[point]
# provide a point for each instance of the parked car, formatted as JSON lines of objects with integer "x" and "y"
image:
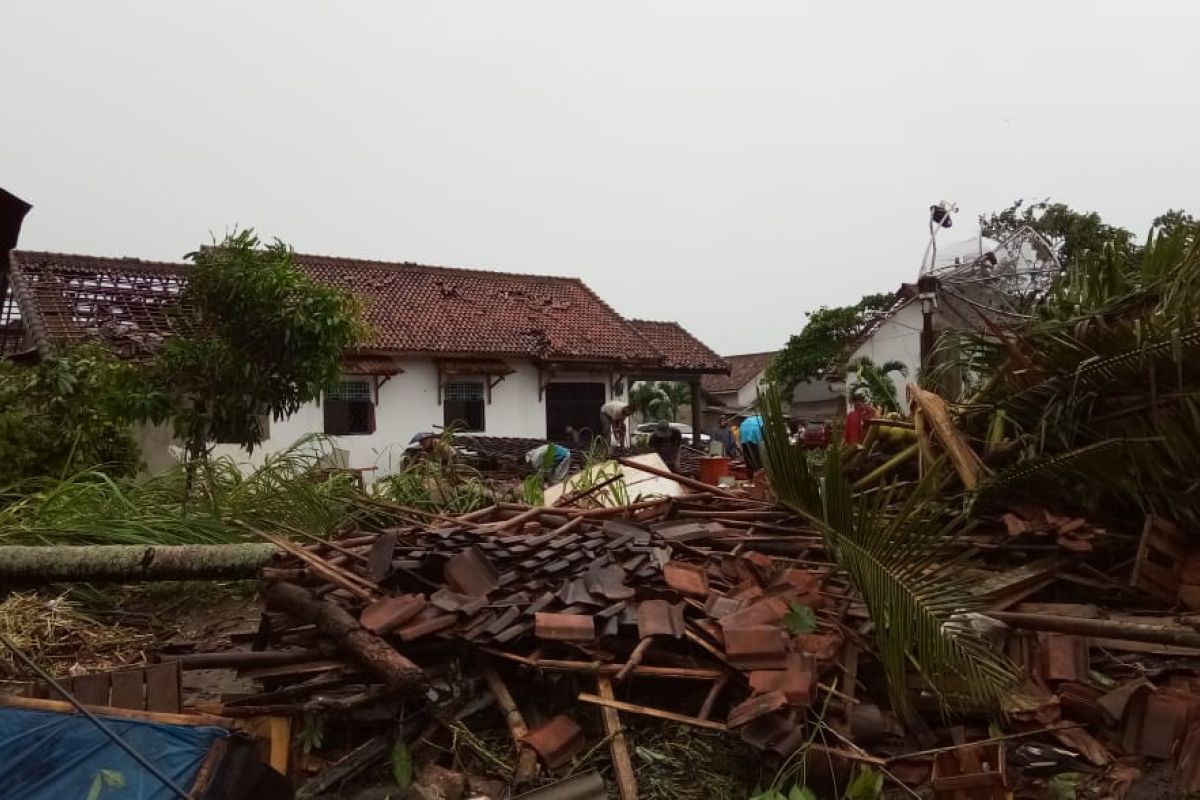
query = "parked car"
{"x": 816, "y": 434}
{"x": 647, "y": 428}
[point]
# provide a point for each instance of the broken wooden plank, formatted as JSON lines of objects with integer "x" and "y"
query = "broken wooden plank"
{"x": 622, "y": 764}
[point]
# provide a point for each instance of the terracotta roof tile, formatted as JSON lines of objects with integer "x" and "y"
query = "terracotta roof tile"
{"x": 680, "y": 349}
{"x": 742, "y": 370}
{"x": 409, "y": 308}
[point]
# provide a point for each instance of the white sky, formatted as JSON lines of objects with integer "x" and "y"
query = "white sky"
{"x": 728, "y": 165}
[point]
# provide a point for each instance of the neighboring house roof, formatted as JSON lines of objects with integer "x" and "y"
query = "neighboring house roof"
{"x": 742, "y": 370}
{"x": 408, "y": 308}
{"x": 681, "y": 351}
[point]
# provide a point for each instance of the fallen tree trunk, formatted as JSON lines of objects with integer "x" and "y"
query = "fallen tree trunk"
{"x": 373, "y": 652}
{"x": 120, "y": 562}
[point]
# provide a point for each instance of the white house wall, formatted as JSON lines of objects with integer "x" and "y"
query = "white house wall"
{"x": 408, "y": 404}
{"x": 897, "y": 339}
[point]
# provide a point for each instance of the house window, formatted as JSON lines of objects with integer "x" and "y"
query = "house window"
{"x": 463, "y": 405}
{"x": 350, "y": 409}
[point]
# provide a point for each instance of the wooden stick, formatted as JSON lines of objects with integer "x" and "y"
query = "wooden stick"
{"x": 1099, "y": 628}
{"x": 690, "y": 483}
{"x": 652, "y": 712}
{"x": 635, "y": 658}
{"x": 622, "y": 765}
{"x": 1023, "y": 734}
{"x": 576, "y": 496}
{"x": 527, "y": 765}
{"x": 355, "y": 584}
{"x": 718, "y": 686}
{"x": 596, "y": 668}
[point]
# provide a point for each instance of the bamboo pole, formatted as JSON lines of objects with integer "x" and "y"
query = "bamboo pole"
{"x": 880, "y": 472}
{"x": 527, "y": 765}
{"x": 1099, "y": 628}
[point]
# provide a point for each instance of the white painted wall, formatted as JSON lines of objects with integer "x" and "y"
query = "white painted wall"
{"x": 897, "y": 339}
{"x": 408, "y": 404}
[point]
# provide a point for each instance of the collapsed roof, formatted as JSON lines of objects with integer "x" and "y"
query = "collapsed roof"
{"x": 408, "y": 308}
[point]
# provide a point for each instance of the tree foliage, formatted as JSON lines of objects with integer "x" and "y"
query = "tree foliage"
{"x": 822, "y": 345}
{"x": 1072, "y": 232}
{"x": 69, "y": 412}
{"x": 254, "y": 336}
{"x": 876, "y": 379}
{"x": 661, "y": 400}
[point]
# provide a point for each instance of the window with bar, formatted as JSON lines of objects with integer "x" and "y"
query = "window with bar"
{"x": 462, "y": 402}
{"x": 350, "y": 409}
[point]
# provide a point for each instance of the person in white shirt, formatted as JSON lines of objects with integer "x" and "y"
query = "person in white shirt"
{"x": 615, "y": 413}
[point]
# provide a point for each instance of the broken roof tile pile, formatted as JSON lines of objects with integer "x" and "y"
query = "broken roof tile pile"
{"x": 721, "y": 612}
{"x": 408, "y": 308}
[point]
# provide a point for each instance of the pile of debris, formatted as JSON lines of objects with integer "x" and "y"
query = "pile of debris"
{"x": 713, "y": 610}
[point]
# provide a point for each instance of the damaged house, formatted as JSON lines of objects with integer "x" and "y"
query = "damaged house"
{"x": 488, "y": 352}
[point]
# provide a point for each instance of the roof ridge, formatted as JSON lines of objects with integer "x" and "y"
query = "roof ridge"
{"x": 125, "y": 260}
{"x": 380, "y": 263}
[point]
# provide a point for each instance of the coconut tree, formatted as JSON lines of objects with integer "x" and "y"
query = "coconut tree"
{"x": 876, "y": 379}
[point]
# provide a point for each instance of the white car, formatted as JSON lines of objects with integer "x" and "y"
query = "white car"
{"x": 647, "y": 428}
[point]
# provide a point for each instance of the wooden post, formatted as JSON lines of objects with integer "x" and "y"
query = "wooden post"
{"x": 697, "y": 421}
{"x": 622, "y": 765}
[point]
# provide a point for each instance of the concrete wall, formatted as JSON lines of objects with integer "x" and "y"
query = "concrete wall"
{"x": 898, "y": 339}
{"x": 407, "y": 404}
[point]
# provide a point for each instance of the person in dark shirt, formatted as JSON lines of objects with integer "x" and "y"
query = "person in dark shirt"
{"x": 668, "y": 443}
{"x": 723, "y": 434}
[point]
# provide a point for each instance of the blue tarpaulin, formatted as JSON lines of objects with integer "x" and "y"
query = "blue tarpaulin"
{"x": 46, "y": 755}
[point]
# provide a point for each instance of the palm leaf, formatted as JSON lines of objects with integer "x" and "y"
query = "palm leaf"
{"x": 889, "y": 548}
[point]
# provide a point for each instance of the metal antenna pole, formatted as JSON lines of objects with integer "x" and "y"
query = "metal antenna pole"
{"x": 58, "y": 687}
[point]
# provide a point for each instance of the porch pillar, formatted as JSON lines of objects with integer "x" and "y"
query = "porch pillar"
{"x": 696, "y": 416}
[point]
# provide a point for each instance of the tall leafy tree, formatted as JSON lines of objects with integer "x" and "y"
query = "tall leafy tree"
{"x": 255, "y": 336}
{"x": 822, "y": 345}
{"x": 673, "y": 396}
{"x": 1072, "y": 232}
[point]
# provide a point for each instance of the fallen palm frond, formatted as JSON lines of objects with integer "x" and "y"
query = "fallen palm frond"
{"x": 94, "y": 508}
{"x": 889, "y": 543}
{"x": 56, "y": 635}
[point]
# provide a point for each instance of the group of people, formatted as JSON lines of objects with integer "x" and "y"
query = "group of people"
{"x": 738, "y": 436}
{"x": 742, "y": 439}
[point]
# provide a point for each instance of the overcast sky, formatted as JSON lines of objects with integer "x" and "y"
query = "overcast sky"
{"x": 728, "y": 165}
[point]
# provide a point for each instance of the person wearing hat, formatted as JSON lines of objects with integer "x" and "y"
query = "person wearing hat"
{"x": 668, "y": 443}
{"x": 551, "y": 461}
{"x": 856, "y": 420}
{"x": 430, "y": 446}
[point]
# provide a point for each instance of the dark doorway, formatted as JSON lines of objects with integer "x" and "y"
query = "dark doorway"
{"x": 575, "y": 405}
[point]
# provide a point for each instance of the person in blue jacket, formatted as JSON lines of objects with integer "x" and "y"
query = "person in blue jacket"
{"x": 551, "y": 461}
{"x": 750, "y": 433}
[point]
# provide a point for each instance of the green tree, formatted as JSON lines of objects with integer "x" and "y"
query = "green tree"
{"x": 876, "y": 379}
{"x": 70, "y": 412}
{"x": 1072, "y": 232}
{"x": 822, "y": 345}
{"x": 674, "y": 395}
{"x": 646, "y": 399}
{"x": 255, "y": 336}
